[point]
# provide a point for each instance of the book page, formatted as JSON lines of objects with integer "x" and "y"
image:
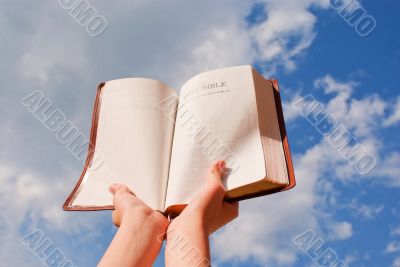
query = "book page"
{"x": 134, "y": 139}
{"x": 216, "y": 120}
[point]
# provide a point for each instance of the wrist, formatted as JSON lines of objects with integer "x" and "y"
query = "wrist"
{"x": 148, "y": 219}
{"x": 187, "y": 243}
{"x": 187, "y": 224}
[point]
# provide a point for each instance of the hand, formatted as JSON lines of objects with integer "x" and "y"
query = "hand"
{"x": 141, "y": 230}
{"x": 204, "y": 214}
{"x": 207, "y": 209}
{"x": 129, "y": 207}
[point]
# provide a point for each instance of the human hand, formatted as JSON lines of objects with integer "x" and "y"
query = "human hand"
{"x": 208, "y": 210}
{"x": 137, "y": 241}
{"x": 131, "y": 209}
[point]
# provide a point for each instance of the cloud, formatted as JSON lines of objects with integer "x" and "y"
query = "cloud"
{"x": 392, "y": 247}
{"x": 349, "y": 259}
{"x": 262, "y": 232}
{"x": 396, "y": 262}
{"x": 286, "y": 33}
{"x": 290, "y": 111}
{"x": 390, "y": 169}
{"x": 46, "y": 49}
{"x": 394, "y": 117}
{"x": 330, "y": 85}
{"x": 358, "y": 115}
{"x": 363, "y": 210}
{"x": 341, "y": 231}
{"x": 395, "y": 231}
{"x": 361, "y": 117}
{"x": 36, "y": 204}
{"x": 318, "y": 169}
{"x": 369, "y": 211}
{"x": 37, "y": 198}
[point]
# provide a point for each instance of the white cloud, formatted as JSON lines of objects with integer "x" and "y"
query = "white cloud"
{"x": 330, "y": 85}
{"x": 395, "y": 231}
{"x": 341, "y": 230}
{"x": 349, "y": 259}
{"x": 363, "y": 210}
{"x": 359, "y": 115}
{"x": 49, "y": 52}
{"x": 394, "y": 117}
{"x": 396, "y": 262}
{"x": 237, "y": 48}
{"x": 362, "y": 117}
{"x": 389, "y": 168}
{"x": 28, "y": 200}
{"x": 39, "y": 198}
{"x": 287, "y": 32}
{"x": 289, "y": 110}
{"x": 370, "y": 211}
{"x": 392, "y": 247}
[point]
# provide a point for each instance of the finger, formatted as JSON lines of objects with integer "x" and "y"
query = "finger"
{"x": 114, "y": 188}
{"x": 214, "y": 182}
{"x": 115, "y": 218}
{"x": 214, "y": 191}
{"x": 214, "y": 176}
{"x": 221, "y": 167}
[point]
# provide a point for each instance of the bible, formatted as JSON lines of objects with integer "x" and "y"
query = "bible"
{"x": 160, "y": 143}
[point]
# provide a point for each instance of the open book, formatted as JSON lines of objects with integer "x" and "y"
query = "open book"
{"x": 161, "y": 145}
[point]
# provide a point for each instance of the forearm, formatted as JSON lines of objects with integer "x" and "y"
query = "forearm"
{"x": 187, "y": 245}
{"x": 134, "y": 245}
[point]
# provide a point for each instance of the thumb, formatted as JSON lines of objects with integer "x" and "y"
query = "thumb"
{"x": 214, "y": 177}
{"x": 214, "y": 190}
{"x": 114, "y": 188}
{"x": 215, "y": 172}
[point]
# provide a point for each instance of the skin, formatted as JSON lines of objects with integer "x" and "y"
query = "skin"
{"x": 142, "y": 229}
{"x": 205, "y": 213}
{"x": 137, "y": 241}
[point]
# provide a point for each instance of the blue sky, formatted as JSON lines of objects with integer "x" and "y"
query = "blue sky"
{"x": 305, "y": 44}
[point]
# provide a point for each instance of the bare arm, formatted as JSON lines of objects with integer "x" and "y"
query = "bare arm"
{"x": 187, "y": 235}
{"x": 140, "y": 234}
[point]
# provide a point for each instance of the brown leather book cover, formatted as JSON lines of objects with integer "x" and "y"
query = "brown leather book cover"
{"x": 89, "y": 158}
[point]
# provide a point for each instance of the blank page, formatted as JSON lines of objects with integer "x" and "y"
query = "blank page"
{"x": 134, "y": 139}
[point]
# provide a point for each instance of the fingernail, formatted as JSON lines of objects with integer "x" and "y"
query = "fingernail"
{"x": 111, "y": 188}
{"x": 221, "y": 165}
{"x": 115, "y": 186}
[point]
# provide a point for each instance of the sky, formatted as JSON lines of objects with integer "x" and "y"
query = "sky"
{"x": 322, "y": 56}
